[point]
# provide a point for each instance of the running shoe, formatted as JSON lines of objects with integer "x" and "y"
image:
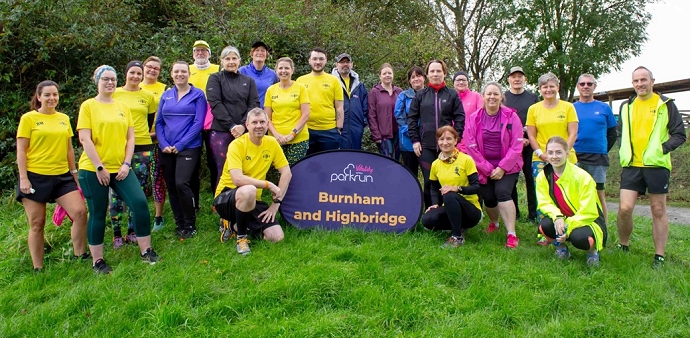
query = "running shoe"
{"x": 84, "y": 257}
{"x": 541, "y": 240}
{"x": 101, "y": 268}
{"x": 512, "y": 241}
{"x": 118, "y": 242}
{"x": 131, "y": 238}
{"x": 622, "y": 247}
{"x": 593, "y": 260}
{"x": 222, "y": 224}
{"x": 562, "y": 252}
{"x": 493, "y": 227}
{"x": 149, "y": 256}
{"x": 454, "y": 242}
{"x": 227, "y": 234}
{"x": 658, "y": 262}
{"x": 158, "y": 223}
{"x": 243, "y": 246}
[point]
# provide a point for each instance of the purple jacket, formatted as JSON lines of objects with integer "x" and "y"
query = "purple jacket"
{"x": 511, "y": 143}
{"x": 381, "y": 116}
{"x": 179, "y": 123}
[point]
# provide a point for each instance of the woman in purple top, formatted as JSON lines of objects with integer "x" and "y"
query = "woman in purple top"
{"x": 471, "y": 101}
{"x": 381, "y": 116}
{"x": 181, "y": 115}
{"x": 493, "y": 137}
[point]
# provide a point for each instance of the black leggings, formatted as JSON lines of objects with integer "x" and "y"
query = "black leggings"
{"x": 411, "y": 161}
{"x": 456, "y": 214}
{"x": 428, "y": 157}
{"x": 494, "y": 192}
{"x": 178, "y": 170}
{"x": 581, "y": 238}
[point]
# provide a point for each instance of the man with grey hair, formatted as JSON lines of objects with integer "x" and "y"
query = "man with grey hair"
{"x": 650, "y": 127}
{"x": 355, "y": 103}
{"x": 238, "y": 195}
{"x": 596, "y": 134}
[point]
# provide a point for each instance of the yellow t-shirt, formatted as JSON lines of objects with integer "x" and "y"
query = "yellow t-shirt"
{"x": 253, "y": 160}
{"x": 157, "y": 90}
{"x": 286, "y": 104}
{"x": 347, "y": 86}
{"x": 455, "y": 174}
{"x": 141, "y": 103}
{"x": 551, "y": 122}
{"x": 199, "y": 78}
{"x": 108, "y": 123}
{"x": 641, "y": 123}
{"x": 49, "y": 136}
{"x": 323, "y": 91}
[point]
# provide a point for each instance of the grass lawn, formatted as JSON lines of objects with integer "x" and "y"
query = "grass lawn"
{"x": 343, "y": 284}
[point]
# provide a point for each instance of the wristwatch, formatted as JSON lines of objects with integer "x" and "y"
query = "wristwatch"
{"x": 459, "y": 188}
{"x": 295, "y": 131}
{"x": 127, "y": 164}
{"x": 277, "y": 200}
{"x": 99, "y": 168}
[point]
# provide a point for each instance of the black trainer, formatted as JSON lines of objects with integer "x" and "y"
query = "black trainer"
{"x": 622, "y": 247}
{"x": 658, "y": 261}
{"x": 149, "y": 256}
{"x": 86, "y": 256}
{"x": 101, "y": 268}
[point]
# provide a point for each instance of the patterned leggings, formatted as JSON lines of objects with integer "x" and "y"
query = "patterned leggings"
{"x": 141, "y": 165}
{"x": 219, "y": 141}
{"x": 157, "y": 177}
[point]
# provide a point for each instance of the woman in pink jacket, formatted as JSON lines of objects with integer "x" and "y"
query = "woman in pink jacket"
{"x": 493, "y": 138}
{"x": 471, "y": 101}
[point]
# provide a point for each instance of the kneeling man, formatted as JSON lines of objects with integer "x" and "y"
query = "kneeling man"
{"x": 238, "y": 196}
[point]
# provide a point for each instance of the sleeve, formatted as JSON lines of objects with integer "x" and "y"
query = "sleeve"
{"x": 339, "y": 93}
{"x": 234, "y": 156}
{"x": 160, "y": 124}
{"x": 469, "y": 138}
{"x": 436, "y": 196}
{"x": 676, "y": 129}
{"x": 611, "y": 125}
{"x": 69, "y": 125}
{"x": 472, "y": 178}
{"x": 413, "y": 120}
{"x": 588, "y": 211}
{"x": 619, "y": 125}
{"x": 84, "y": 117}
{"x": 365, "y": 104}
{"x": 373, "y": 123}
{"x": 514, "y": 153}
{"x": 24, "y": 128}
{"x": 570, "y": 113}
{"x": 252, "y": 99}
{"x": 194, "y": 132}
{"x": 399, "y": 110}
{"x": 267, "y": 97}
{"x": 303, "y": 95}
{"x": 531, "y": 116}
{"x": 214, "y": 95}
{"x": 279, "y": 160}
{"x": 544, "y": 202}
{"x": 458, "y": 114}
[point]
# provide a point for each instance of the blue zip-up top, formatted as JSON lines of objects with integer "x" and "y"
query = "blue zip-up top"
{"x": 263, "y": 78}
{"x": 180, "y": 121}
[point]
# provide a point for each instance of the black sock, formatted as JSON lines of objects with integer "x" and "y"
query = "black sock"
{"x": 243, "y": 220}
{"x": 158, "y": 218}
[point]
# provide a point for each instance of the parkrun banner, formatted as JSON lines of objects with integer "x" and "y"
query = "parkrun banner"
{"x": 349, "y": 188}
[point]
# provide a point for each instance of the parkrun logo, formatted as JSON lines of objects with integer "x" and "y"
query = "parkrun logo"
{"x": 351, "y": 173}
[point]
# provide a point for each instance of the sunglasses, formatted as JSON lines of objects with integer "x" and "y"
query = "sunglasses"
{"x": 585, "y": 84}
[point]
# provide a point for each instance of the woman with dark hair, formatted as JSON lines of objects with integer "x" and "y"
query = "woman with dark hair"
{"x": 568, "y": 199}
{"x": 287, "y": 108}
{"x": 433, "y": 107}
{"x": 493, "y": 137}
{"x": 181, "y": 115}
{"x": 415, "y": 77}
{"x": 231, "y": 95}
{"x": 454, "y": 184}
{"x": 152, "y": 69}
{"x": 382, "y": 122}
{"x": 106, "y": 131}
{"x": 142, "y": 105}
{"x": 47, "y": 173}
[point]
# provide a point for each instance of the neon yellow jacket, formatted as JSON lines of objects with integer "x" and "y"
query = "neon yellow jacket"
{"x": 580, "y": 193}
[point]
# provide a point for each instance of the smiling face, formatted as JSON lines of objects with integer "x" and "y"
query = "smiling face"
{"x": 586, "y": 86}
{"x": 134, "y": 76}
{"x": 435, "y": 73}
{"x": 643, "y": 83}
{"x": 180, "y": 74}
{"x": 257, "y": 125}
{"x": 284, "y": 70}
{"x": 549, "y": 90}
{"x": 557, "y": 154}
{"x": 231, "y": 62}
{"x": 492, "y": 98}
{"x": 48, "y": 97}
{"x": 151, "y": 70}
{"x": 259, "y": 54}
{"x": 460, "y": 83}
{"x": 317, "y": 61}
{"x": 200, "y": 55}
{"x": 447, "y": 142}
{"x": 417, "y": 81}
{"x": 107, "y": 82}
{"x": 386, "y": 76}
{"x": 517, "y": 81}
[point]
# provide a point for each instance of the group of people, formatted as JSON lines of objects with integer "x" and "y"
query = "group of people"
{"x": 469, "y": 146}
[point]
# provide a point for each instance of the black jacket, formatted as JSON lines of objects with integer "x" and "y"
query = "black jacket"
{"x": 431, "y": 110}
{"x": 231, "y": 96}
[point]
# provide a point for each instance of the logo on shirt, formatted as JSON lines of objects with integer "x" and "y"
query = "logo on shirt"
{"x": 457, "y": 170}
{"x": 354, "y": 173}
{"x": 142, "y": 102}
{"x": 244, "y": 84}
{"x": 248, "y": 158}
{"x": 273, "y": 97}
{"x": 560, "y": 116}
{"x": 266, "y": 155}
{"x": 63, "y": 123}
{"x": 596, "y": 112}
{"x": 326, "y": 85}
{"x": 39, "y": 123}
{"x": 294, "y": 95}
{"x": 355, "y": 96}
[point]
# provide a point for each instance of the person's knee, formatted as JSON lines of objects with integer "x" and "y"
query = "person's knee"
{"x": 274, "y": 234}
{"x": 245, "y": 193}
{"x": 37, "y": 225}
{"x": 79, "y": 214}
{"x": 658, "y": 209}
{"x": 428, "y": 221}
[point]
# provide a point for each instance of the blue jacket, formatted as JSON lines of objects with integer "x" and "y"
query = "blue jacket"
{"x": 179, "y": 123}
{"x": 263, "y": 79}
{"x": 356, "y": 111}
{"x": 402, "y": 107}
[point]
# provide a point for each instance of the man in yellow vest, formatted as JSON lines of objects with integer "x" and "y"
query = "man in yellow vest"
{"x": 650, "y": 127}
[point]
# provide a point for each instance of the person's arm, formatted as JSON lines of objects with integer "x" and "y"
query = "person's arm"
{"x": 160, "y": 126}
{"x": 365, "y": 104}
{"x": 544, "y": 202}
{"x": 413, "y": 125}
{"x": 339, "y": 114}
{"x": 90, "y": 151}
{"x": 473, "y": 187}
{"x": 373, "y": 123}
{"x": 611, "y": 136}
{"x": 436, "y": 197}
{"x": 71, "y": 163}
{"x": 470, "y": 139}
{"x": 194, "y": 132}
{"x": 271, "y": 126}
{"x": 587, "y": 196}
{"x": 572, "y": 134}
{"x": 676, "y": 130}
{"x": 22, "y": 147}
{"x": 514, "y": 153}
{"x": 399, "y": 110}
{"x": 129, "y": 152}
{"x": 214, "y": 94}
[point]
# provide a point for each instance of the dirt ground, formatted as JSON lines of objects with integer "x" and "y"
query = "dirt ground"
{"x": 675, "y": 215}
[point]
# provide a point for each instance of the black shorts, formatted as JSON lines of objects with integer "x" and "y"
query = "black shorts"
{"x": 48, "y": 188}
{"x": 653, "y": 180}
{"x": 225, "y": 206}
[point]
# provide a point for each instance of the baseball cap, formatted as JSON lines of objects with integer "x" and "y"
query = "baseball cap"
{"x": 260, "y": 44}
{"x": 201, "y": 43}
{"x": 516, "y": 69}
{"x": 343, "y": 56}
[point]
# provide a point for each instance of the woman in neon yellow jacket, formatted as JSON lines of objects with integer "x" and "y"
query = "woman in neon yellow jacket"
{"x": 568, "y": 199}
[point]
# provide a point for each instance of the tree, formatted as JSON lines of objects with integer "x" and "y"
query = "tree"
{"x": 571, "y": 37}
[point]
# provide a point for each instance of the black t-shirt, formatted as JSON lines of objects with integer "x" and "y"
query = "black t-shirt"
{"x": 521, "y": 103}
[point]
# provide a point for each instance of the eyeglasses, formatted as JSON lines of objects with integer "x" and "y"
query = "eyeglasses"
{"x": 152, "y": 68}
{"x": 109, "y": 79}
{"x": 586, "y": 84}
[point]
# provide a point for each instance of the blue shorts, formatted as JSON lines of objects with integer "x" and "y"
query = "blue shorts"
{"x": 598, "y": 173}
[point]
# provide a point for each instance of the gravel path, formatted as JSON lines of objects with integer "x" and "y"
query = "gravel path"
{"x": 676, "y": 215}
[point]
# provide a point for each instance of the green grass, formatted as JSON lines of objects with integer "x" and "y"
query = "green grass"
{"x": 343, "y": 284}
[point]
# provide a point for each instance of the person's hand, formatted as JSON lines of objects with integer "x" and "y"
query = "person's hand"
{"x": 122, "y": 172}
{"x": 525, "y": 142}
{"x": 25, "y": 185}
{"x": 417, "y": 147}
{"x": 559, "y": 225}
{"x": 75, "y": 176}
{"x": 377, "y": 141}
{"x": 561, "y": 238}
{"x": 497, "y": 174}
{"x": 103, "y": 177}
{"x": 237, "y": 130}
{"x": 167, "y": 150}
{"x": 543, "y": 158}
{"x": 289, "y": 138}
{"x": 448, "y": 188}
{"x": 274, "y": 189}
{"x": 173, "y": 150}
{"x": 269, "y": 215}
{"x": 431, "y": 207}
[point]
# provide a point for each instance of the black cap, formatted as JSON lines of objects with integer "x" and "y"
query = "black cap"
{"x": 343, "y": 56}
{"x": 260, "y": 44}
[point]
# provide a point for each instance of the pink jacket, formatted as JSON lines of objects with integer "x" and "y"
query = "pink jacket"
{"x": 471, "y": 102}
{"x": 511, "y": 141}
